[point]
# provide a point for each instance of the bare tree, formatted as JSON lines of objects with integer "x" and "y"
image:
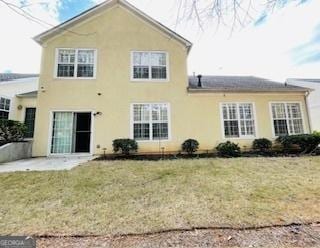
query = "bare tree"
{"x": 232, "y": 13}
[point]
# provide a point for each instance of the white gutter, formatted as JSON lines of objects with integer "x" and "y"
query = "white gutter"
{"x": 308, "y": 110}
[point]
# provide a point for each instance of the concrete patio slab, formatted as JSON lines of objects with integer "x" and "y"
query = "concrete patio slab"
{"x": 45, "y": 164}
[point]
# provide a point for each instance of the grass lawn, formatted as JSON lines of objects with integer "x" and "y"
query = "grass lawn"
{"x": 141, "y": 196}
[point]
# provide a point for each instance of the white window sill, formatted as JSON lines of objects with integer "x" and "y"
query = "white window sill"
{"x": 152, "y": 141}
{"x": 240, "y": 138}
{"x": 53, "y": 155}
{"x": 149, "y": 80}
{"x": 75, "y": 78}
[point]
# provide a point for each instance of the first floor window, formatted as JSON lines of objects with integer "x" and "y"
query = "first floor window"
{"x": 149, "y": 65}
{"x": 287, "y": 119}
{"x": 4, "y": 108}
{"x": 150, "y": 121}
{"x": 76, "y": 63}
{"x": 238, "y": 120}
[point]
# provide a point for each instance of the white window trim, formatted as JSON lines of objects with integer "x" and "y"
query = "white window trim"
{"x": 241, "y": 137}
{"x": 150, "y": 140}
{"x": 55, "y": 73}
{"x": 51, "y": 112}
{"x": 286, "y": 102}
{"x": 132, "y": 79}
{"x": 10, "y": 105}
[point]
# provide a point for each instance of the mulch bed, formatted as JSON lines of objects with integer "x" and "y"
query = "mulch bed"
{"x": 209, "y": 154}
{"x": 286, "y": 236}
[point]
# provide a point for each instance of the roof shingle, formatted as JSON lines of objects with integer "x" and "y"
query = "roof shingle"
{"x": 240, "y": 83}
{"x": 13, "y": 76}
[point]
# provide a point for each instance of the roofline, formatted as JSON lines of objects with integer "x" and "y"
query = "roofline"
{"x": 305, "y": 80}
{"x": 207, "y": 90}
{"x": 31, "y": 94}
{"x": 40, "y": 39}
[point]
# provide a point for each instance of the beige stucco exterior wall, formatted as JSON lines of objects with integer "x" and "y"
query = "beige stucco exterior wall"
{"x": 114, "y": 34}
{"x": 19, "y": 105}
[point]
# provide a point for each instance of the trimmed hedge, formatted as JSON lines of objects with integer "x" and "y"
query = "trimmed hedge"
{"x": 303, "y": 143}
{"x": 262, "y": 145}
{"x": 11, "y": 131}
{"x": 190, "y": 146}
{"x": 228, "y": 149}
{"x": 125, "y": 146}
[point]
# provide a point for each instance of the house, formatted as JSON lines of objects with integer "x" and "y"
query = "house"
{"x": 5, "y": 77}
{"x": 18, "y": 94}
{"x": 114, "y": 72}
{"x": 313, "y": 99}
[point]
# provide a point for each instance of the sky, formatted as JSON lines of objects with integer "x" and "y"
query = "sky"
{"x": 278, "y": 45}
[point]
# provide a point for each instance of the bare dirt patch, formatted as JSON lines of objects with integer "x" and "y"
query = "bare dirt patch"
{"x": 286, "y": 236}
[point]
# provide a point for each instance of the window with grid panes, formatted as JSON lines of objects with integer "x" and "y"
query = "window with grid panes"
{"x": 149, "y": 65}
{"x": 4, "y": 108}
{"x": 238, "y": 120}
{"x": 76, "y": 63}
{"x": 287, "y": 119}
{"x": 150, "y": 121}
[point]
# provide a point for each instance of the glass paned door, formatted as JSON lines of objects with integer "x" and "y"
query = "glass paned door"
{"x": 82, "y": 135}
{"x": 29, "y": 121}
{"x": 62, "y": 132}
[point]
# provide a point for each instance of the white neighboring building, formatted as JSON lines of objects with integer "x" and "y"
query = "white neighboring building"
{"x": 18, "y": 99}
{"x": 18, "y": 86}
{"x": 10, "y": 89}
{"x": 313, "y": 99}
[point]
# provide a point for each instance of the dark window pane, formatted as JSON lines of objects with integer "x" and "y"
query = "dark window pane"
{"x": 65, "y": 70}
{"x": 4, "y": 115}
{"x": 83, "y": 122}
{"x": 159, "y": 72}
{"x": 82, "y": 142}
{"x": 83, "y": 132}
{"x": 29, "y": 121}
{"x": 140, "y": 72}
{"x": 7, "y": 104}
{"x": 3, "y": 103}
{"x": 141, "y": 131}
{"x": 160, "y": 131}
{"x": 280, "y": 127}
{"x": 231, "y": 129}
{"x": 85, "y": 71}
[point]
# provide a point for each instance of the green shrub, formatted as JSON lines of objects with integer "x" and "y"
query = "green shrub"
{"x": 316, "y": 134}
{"x": 262, "y": 145}
{"x": 125, "y": 146}
{"x": 303, "y": 143}
{"x": 228, "y": 149}
{"x": 190, "y": 146}
{"x": 11, "y": 131}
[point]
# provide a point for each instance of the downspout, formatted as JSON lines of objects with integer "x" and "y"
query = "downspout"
{"x": 308, "y": 110}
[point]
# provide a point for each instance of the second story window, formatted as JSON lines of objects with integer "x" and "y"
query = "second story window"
{"x": 149, "y": 66}
{"x": 76, "y": 63}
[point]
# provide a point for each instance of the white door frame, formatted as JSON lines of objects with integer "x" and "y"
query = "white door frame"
{"x": 49, "y": 154}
